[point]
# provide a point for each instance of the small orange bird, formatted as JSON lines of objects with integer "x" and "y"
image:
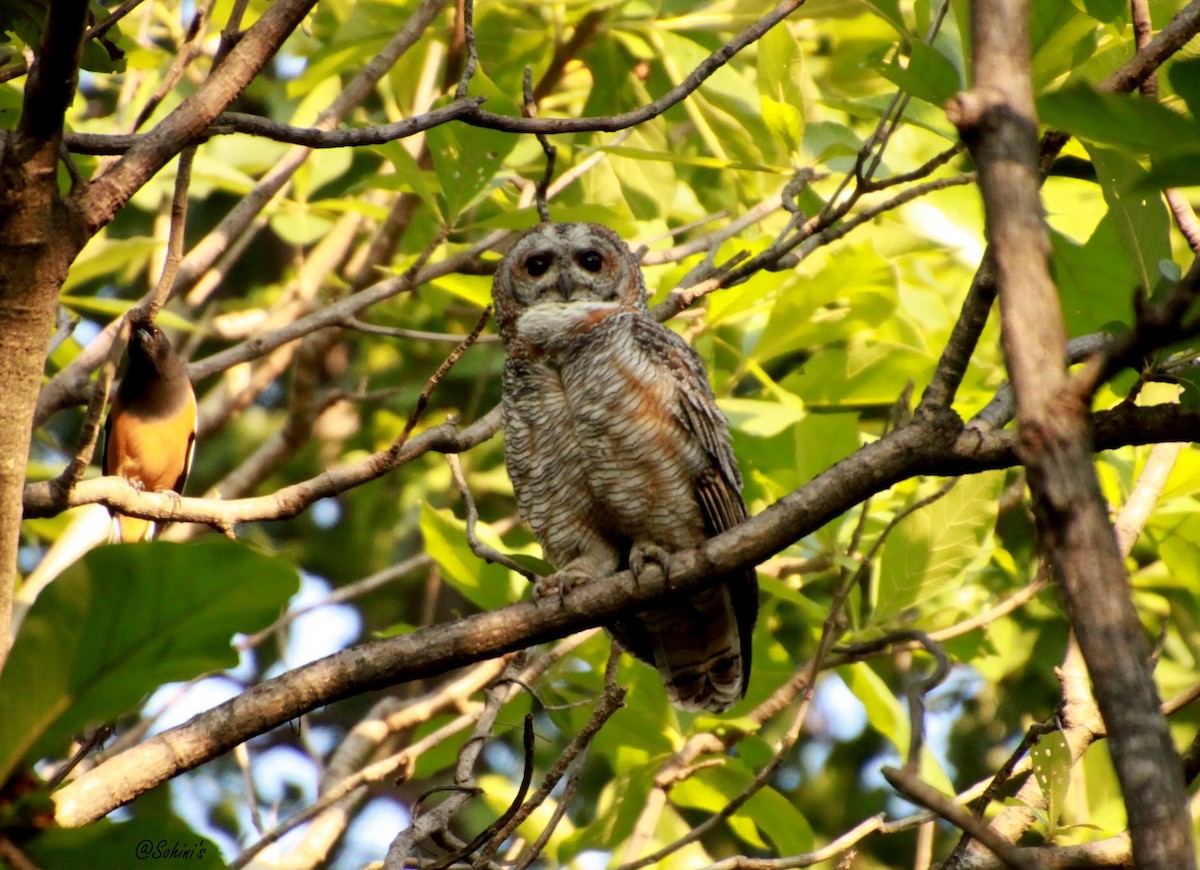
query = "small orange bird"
{"x": 150, "y": 435}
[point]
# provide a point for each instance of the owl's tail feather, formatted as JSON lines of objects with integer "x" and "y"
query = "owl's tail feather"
{"x": 698, "y": 650}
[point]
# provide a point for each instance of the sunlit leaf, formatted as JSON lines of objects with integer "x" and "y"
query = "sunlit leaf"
{"x": 1051, "y": 759}
{"x": 122, "y": 621}
{"x": 484, "y": 584}
{"x": 932, "y": 549}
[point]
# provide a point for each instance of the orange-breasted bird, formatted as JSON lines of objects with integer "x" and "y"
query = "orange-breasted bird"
{"x": 150, "y": 435}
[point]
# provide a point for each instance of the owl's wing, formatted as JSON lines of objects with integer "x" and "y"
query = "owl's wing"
{"x": 719, "y": 485}
{"x": 692, "y": 641}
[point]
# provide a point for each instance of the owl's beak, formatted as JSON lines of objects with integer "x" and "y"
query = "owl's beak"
{"x": 565, "y": 286}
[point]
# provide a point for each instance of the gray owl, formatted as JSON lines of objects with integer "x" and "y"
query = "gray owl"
{"x": 617, "y": 452}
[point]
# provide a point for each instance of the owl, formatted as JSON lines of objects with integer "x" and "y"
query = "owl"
{"x": 617, "y": 452}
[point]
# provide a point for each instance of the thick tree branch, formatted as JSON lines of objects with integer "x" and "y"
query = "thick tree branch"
{"x": 100, "y": 200}
{"x": 969, "y": 452}
{"x": 998, "y": 122}
{"x": 917, "y": 448}
{"x": 51, "y": 86}
{"x": 38, "y": 238}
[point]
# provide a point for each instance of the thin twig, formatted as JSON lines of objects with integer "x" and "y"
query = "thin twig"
{"x": 612, "y": 699}
{"x": 436, "y": 378}
{"x": 175, "y": 235}
{"x": 414, "y": 334}
{"x": 530, "y": 111}
{"x": 116, "y": 15}
{"x": 468, "y": 25}
{"x": 480, "y": 549}
{"x": 502, "y": 822}
{"x": 910, "y": 785}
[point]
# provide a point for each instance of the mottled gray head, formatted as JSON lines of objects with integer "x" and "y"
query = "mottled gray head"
{"x": 564, "y": 263}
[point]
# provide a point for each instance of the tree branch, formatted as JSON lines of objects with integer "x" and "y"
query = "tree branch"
{"x": 998, "y": 122}
{"x": 919, "y": 448}
{"x": 103, "y": 198}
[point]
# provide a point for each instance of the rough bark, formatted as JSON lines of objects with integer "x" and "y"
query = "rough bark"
{"x": 38, "y": 239}
{"x": 999, "y": 124}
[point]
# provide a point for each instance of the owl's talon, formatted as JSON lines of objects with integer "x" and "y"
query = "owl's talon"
{"x": 557, "y": 585}
{"x": 642, "y": 555}
{"x": 546, "y": 588}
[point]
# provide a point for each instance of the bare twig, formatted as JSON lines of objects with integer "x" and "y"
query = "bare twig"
{"x": 468, "y": 28}
{"x": 502, "y": 822}
{"x": 909, "y": 784}
{"x": 437, "y": 819}
{"x": 436, "y": 378}
{"x": 530, "y": 111}
{"x": 610, "y": 701}
{"x": 480, "y": 549}
{"x": 831, "y": 850}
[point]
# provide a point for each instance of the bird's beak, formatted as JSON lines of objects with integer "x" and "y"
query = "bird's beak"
{"x": 565, "y": 286}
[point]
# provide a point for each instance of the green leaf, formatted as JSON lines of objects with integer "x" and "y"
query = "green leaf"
{"x": 121, "y": 622}
{"x": 1184, "y": 76}
{"x": 779, "y": 88}
{"x": 123, "y": 257}
{"x": 1140, "y": 218}
{"x": 760, "y": 418}
{"x": 855, "y": 290}
{"x": 24, "y": 18}
{"x": 1051, "y": 760}
{"x": 767, "y": 811}
{"x": 102, "y": 58}
{"x": 467, "y": 159}
{"x": 928, "y": 75}
{"x": 1061, "y": 39}
{"x": 299, "y": 225}
{"x": 476, "y": 289}
{"x": 485, "y": 584}
{"x": 1136, "y": 125}
{"x": 620, "y": 805}
{"x": 1107, "y": 11}
{"x": 1096, "y": 281}
{"x": 932, "y": 550}
{"x": 1175, "y": 170}
{"x": 157, "y": 841}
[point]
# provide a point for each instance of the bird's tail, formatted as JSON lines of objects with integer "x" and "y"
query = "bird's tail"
{"x": 129, "y": 529}
{"x": 699, "y": 650}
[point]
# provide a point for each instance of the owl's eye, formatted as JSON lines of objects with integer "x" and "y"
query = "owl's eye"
{"x": 590, "y": 260}
{"x": 537, "y": 264}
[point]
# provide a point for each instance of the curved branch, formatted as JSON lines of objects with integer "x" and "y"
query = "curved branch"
{"x": 919, "y": 448}
{"x": 310, "y": 137}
